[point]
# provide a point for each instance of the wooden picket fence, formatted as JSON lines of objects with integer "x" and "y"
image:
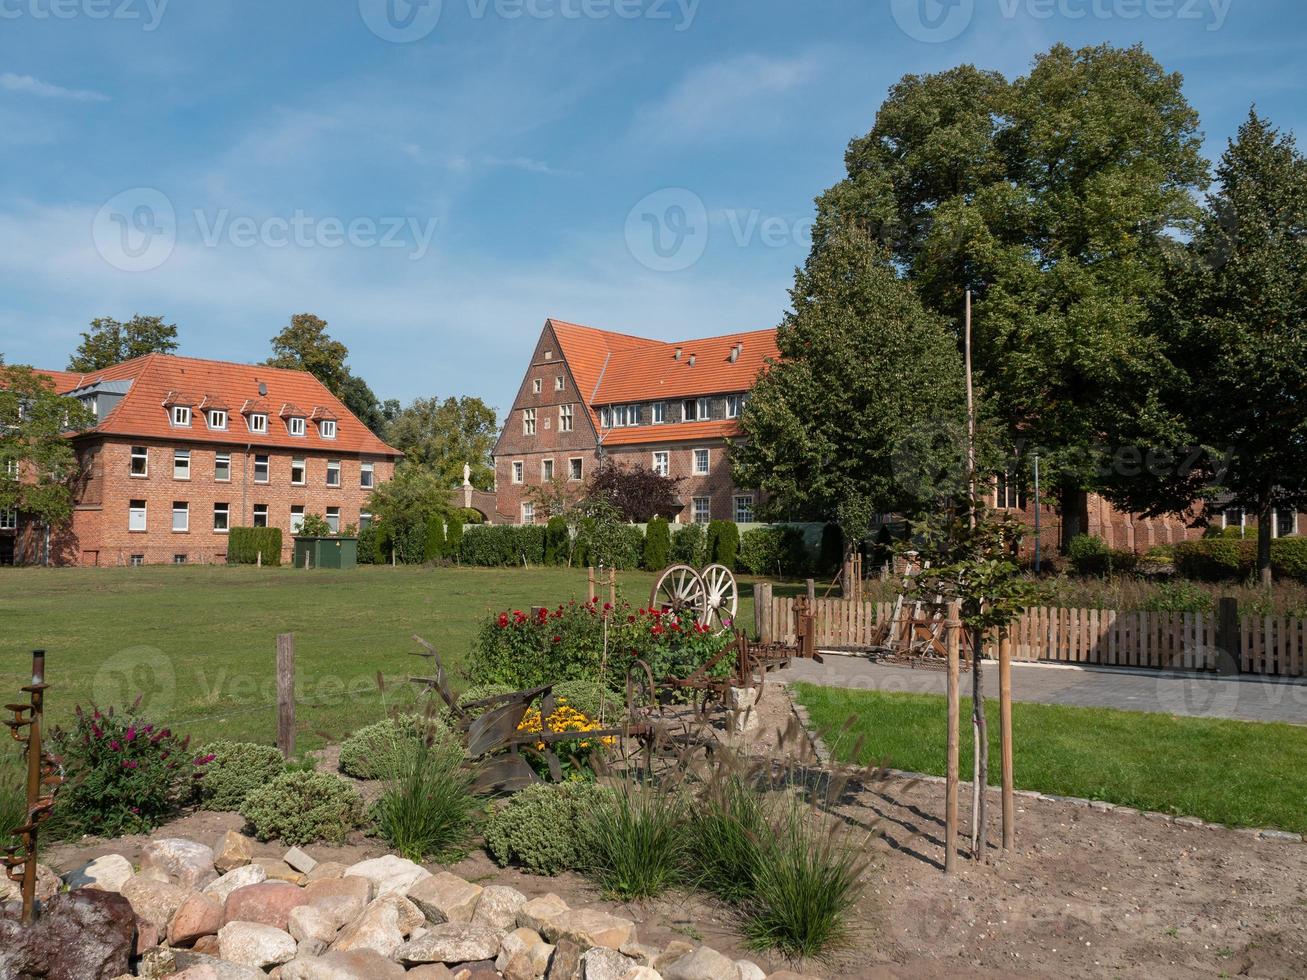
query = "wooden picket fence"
{"x": 1270, "y": 645}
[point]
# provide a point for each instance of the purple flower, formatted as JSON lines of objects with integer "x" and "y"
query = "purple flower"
{"x": 130, "y": 734}
{"x": 129, "y": 763}
{"x": 116, "y": 745}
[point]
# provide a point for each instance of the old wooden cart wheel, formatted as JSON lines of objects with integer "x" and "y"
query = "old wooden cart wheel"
{"x": 722, "y": 598}
{"x": 679, "y": 588}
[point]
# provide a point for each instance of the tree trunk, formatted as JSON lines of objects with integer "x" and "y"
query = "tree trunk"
{"x": 979, "y": 825}
{"x": 1074, "y": 504}
{"x": 1265, "y": 528}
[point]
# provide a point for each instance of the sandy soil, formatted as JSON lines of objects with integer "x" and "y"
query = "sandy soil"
{"x": 1085, "y": 893}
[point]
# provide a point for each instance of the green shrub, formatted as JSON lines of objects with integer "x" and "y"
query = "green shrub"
{"x": 657, "y": 544}
{"x": 723, "y": 543}
{"x": 558, "y": 541}
{"x": 543, "y": 828}
{"x": 830, "y": 556}
{"x": 775, "y": 549}
{"x": 410, "y": 544}
{"x": 304, "y": 807}
{"x": 370, "y": 752}
{"x": 636, "y": 841}
{"x": 434, "y": 549}
{"x": 1289, "y": 558}
{"x": 726, "y": 836}
{"x": 427, "y": 808}
{"x": 503, "y": 545}
{"x": 236, "y": 769}
{"x": 1181, "y": 596}
{"x": 1215, "y": 559}
{"x": 124, "y": 775}
{"x": 454, "y": 536}
{"x": 591, "y": 699}
{"x": 688, "y": 545}
{"x": 246, "y": 544}
{"x": 1091, "y": 556}
{"x": 368, "y": 545}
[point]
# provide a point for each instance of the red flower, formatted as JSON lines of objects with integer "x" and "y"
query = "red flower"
{"x": 558, "y": 639}
{"x": 116, "y": 745}
{"x": 657, "y": 629}
{"x": 607, "y": 606}
{"x": 503, "y": 620}
{"x": 630, "y": 619}
{"x": 129, "y": 764}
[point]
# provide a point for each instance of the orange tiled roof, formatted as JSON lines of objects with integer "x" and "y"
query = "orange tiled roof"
{"x": 684, "y": 432}
{"x": 156, "y": 377}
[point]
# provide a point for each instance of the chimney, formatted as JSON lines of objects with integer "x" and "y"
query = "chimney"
{"x": 263, "y": 388}
{"x": 677, "y": 355}
{"x": 735, "y": 352}
{"x": 691, "y": 360}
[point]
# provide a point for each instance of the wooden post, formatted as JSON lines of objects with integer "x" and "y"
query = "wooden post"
{"x": 812, "y": 591}
{"x": 33, "y": 784}
{"x": 762, "y": 611}
{"x": 953, "y": 629}
{"x": 612, "y": 587}
{"x": 286, "y": 694}
{"x": 1228, "y": 652}
{"x": 590, "y": 584}
{"x": 1005, "y": 739}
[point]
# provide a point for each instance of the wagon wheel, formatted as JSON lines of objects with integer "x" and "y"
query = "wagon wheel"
{"x": 679, "y": 588}
{"x": 722, "y": 599}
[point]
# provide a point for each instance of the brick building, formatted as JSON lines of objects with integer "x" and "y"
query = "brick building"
{"x": 185, "y": 449}
{"x": 590, "y": 395}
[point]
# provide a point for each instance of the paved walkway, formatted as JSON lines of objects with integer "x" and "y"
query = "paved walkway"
{"x": 1174, "y": 694}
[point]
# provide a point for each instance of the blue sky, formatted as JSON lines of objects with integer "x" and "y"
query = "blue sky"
{"x": 435, "y": 180}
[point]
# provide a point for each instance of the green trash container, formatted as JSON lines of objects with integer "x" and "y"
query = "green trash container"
{"x": 314, "y": 552}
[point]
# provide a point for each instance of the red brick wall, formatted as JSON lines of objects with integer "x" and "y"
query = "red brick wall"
{"x": 716, "y": 485}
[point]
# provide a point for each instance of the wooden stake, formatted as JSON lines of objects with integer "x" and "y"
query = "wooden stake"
{"x": 953, "y": 629}
{"x": 33, "y": 784}
{"x": 286, "y": 694}
{"x": 1005, "y": 739}
{"x": 612, "y": 587}
{"x": 590, "y": 584}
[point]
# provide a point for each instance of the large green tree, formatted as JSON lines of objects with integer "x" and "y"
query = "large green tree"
{"x": 304, "y": 345}
{"x": 864, "y": 413}
{"x": 1054, "y": 198}
{"x": 38, "y": 466}
{"x": 442, "y": 436}
{"x": 111, "y": 342}
{"x": 1241, "y": 330}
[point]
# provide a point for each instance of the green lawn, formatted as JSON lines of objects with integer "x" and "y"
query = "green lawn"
{"x": 200, "y": 642}
{"x": 1243, "y": 774}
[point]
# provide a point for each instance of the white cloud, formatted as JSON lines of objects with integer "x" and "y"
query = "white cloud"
{"x": 29, "y": 85}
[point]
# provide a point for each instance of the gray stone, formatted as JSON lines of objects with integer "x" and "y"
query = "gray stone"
{"x": 1281, "y": 835}
{"x": 497, "y": 908}
{"x": 255, "y": 944}
{"x": 185, "y": 861}
{"x": 642, "y": 973}
{"x": 388, "y": 874}
{"x": 376, "y": 929}
{"x": 535, "y": 913}
{"x": 246, "y": 874}
{"x": 445, "y": 898}
{"x": 605, "y": 964}
{"x": 325, "y": 871}
{"x": 703, "y": 963}
{"x": 342, "y": 899}
{"x": 750, "y": 970}
{"x": 589, "y": 927}
{"x": 523, "y": 955}
{"x": 450, "y": 942}
{"x": 298, "y": 860}
{"x": 106, "y": 874}
{"x": 312, "y": 928}
{"x": 161, "y": 961}
{"x": 359, "y": 964}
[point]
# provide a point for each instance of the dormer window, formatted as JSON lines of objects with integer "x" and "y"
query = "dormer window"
{"x": 296, "y": 425}
{"x": 181, "y": 416}
{"x": 258, "y": 422}
{"x": 327, "y": 428}
{"x": 217, "y": 419}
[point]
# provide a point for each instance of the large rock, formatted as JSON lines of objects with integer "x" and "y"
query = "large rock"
{"x": 162, "y": 961}
{"x": 431, "y": 971}
{"x": 48, "y": 884}
{"x": 535, "y": 913}
{"x": 565, "y": 963}
{"x": 107, "y": 874}
{"x": 312, "y": 928}
{"x": 298, "y": 860}
{"x": 497, "y": 908}
{"x": 255, "y": 944}
{"x": 601, "y": 963}
{"x": 341, "y": 899}
{"x": 703, "y": 963}
{"x": 376, "y": 929}
{"x": 152, "y": 900}
{"x": 518, "y": 958}
{"x": 198, "y": 916}
{"x": 268, "y": 903}
{"x": 388, "y": 874}
{"x": 278, "y": 870}
{"x": 325, "y": 871}
{"x": 445, "y": 898}
{"x": 359, "y": 964}
{"x": 234, "y": 851}
{"x": 589, "y": 927}
{"x": 81, "y": 935}
{"x": 186, "y": 862}
{"x": 642, "y": 973}
{"x": 450, "y": 942}
{"x": 246, "y": 874}
{"x": 750, "y": 970}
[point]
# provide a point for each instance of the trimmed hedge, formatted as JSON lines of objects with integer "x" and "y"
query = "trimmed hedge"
{"x": 237, "y": 769}
{"x": 657, "y": 544}
{"x": 435, "y": 542}
{"x": 303, "y": 807}
{"x": 1221, "y": 559}
{"x": 246, "y": 544}
{"x": 688, "y": 545}
{"x": 831, "y": 554}
{"x": 454, "y": 536}
{"x": 558, "y": 541}
{"x": 543, "y": 828}
{"x": 776, "y": 549}
{"x": 503, "y": 545}
{"x": 1091, "y": 556}
{"x": 723, "y": 545}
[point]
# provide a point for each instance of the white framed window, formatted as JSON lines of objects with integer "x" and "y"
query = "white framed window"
{"x": 619, "y": 416}
{"x": 222, "y": 467}
{"x": 1286, "y": 522}
{"x": 559, "y": 383}
{"x": 744, "y": 508}
{"x": 528, "y": 421}
{"x": 221, "y": 518}
{"x": 546, "y": 470}
{"x": 536, "y": 386}
{"x": 565, "y": 418}
{"x": 659, "y": 413}
{"x": 632, "y": 414}
{"x": 258, "y": 422}
{"x": 11, "y": 467}
{"x": 136, "y": 516}
{"x": 528, "y": 513}
{"x": 703, "y": 410}
{"x": 179, "y": 559}
{"x": 365, "y": 475}
{"x": 689, "y": 410}
{"x": 296, "y": 425}
{"x": 327, "y": 428}
{"x": 333, "y": 472}
{"x": 1008, "y": 491}
{"x": 1234, "y": 517}
{"x": 9, "y": 519}
{"x": 575, "y": 468}
{"x": 181, "y": 416}
{"x": 296, "y": 518}
{"x": 260, "y": 515}
{"x": 136, "y": 561}
{"x": 365, "y": 520}
{"x": 217, "y": 418}
{"x": 298, "y": 469}
{"x": 517, "y": 471}
{"x": 181, "y": 516}
{"x": 181, "y": 464}
{"x": 140, "y": 462}
{"x": 702, "y": 461}
{"x": 732, "y": 406}
{"x": 661, "y": 462}
{"x": 702, "y": 509}
{"x": 333, "y": 519}
{"x": 261, "y": 469}
{"x": 606, "y": 417}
